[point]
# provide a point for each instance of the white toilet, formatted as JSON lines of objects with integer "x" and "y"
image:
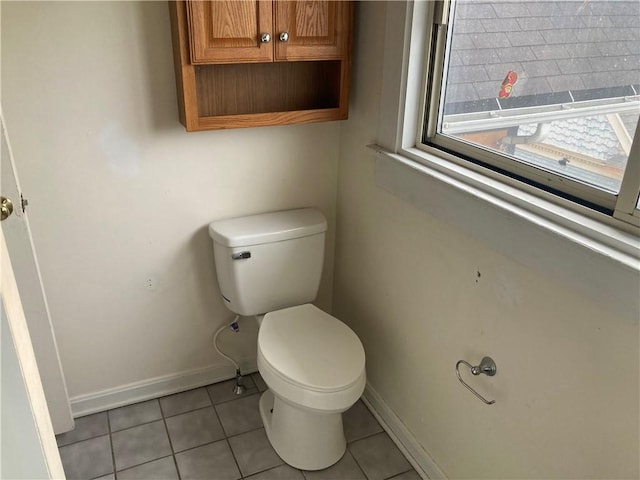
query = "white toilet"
{"x": 313, "y": 364}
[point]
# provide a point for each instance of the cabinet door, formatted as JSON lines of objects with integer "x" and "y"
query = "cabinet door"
{"x": 315, "y": 29}
{"x": 230, "y": 31}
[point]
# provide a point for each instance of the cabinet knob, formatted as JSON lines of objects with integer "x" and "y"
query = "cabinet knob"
{"x": 265, "y": 38}
{"x": 284, "y": 37}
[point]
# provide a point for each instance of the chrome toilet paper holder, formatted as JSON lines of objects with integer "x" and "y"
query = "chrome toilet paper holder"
{"x": 487, "y": 366}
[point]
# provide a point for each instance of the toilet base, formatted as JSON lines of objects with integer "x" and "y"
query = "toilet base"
{"x": 304, "y": 439}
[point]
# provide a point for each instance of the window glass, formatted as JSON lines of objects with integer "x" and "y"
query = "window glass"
{"x": 551, "y": 85}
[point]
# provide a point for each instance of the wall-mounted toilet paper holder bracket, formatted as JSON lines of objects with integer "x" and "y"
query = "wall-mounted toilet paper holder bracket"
{"x": 487, "y": 366}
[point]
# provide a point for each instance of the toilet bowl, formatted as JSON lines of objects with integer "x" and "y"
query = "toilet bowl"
{"x": 270, "y": 264}
{"x": 313, "y": 365}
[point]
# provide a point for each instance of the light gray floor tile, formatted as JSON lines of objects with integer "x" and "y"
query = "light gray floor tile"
{"x": 87, "y": 459}
{"x": 410, "y": 475}
{"x": 241, "y": 415}
{"x": 378, "y": 457}
{"x": 86, "y": 427}
{"x": 259, "y": 381}
{"x": 193, "y": 429}
{"x": 253, "y": 452}
{"x": 140, "y": 444}
{"x": 163, "y": 469}
{"x": 132, "y": 415}
{"x": 212, "y": 461}
{"x": 223, "y": 391}
{"x": 283, "y": 472}
{"x": 359, "y": 422}
{"x": 345, "y": 469}
{"x": 184, "y": 402}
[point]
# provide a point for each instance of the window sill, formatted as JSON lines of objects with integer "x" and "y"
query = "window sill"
{"x": 594, "y": 256}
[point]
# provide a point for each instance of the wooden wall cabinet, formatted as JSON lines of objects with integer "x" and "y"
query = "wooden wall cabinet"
{"x": 254, "y": 62}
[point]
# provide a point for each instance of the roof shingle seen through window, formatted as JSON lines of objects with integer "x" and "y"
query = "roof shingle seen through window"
{"x": 552, "y": 46}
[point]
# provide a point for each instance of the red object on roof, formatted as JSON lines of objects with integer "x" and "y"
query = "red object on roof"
{"x": 507, "y": 84}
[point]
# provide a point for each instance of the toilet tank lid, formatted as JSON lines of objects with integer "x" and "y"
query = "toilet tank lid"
{"x": 267, "y": 227}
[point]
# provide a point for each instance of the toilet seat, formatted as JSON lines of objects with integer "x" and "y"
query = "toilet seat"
{"x": 308, "y": 357}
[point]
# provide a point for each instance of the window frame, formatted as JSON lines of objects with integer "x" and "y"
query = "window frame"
{"x": 426, "y": 27}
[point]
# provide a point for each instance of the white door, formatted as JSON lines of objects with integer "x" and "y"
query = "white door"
{"x": 25, "y": 266}
{"x": 28, "y": 447}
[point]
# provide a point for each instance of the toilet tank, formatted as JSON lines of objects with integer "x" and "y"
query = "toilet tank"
{"x": 269, "y": 261}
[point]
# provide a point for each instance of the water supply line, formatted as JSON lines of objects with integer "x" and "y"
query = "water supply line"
{"x": 239, "y": 387}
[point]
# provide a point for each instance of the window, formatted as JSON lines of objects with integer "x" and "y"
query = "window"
{"x": 545, "y": 92}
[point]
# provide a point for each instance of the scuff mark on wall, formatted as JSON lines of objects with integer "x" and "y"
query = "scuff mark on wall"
{"x": 507, "y": 290}
{"x": 119, "y": 150}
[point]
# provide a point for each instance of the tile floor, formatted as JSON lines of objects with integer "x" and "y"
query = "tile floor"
{"x": 211, "y": 433}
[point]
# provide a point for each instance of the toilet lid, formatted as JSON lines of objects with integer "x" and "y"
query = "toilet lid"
{"x": 311, "y": 348}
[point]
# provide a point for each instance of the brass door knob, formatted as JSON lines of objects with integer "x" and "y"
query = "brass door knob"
{"x": 6, "y": 208}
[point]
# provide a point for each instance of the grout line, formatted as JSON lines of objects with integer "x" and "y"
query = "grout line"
{"x": 218, "y": 440}
{"x": 248, "y": 393}
{"x": 271, "y": 468}
{"x": 138, "y": 425}
{"x": 357, "y": 463}
{"x": 372, "y": 435}
{"x": 248, "y": 431}
{"x": 198, "y": 446}
{"x": 164, "y": 415}
{"x": 184, "y": 413}
{"x": 217, "y": 416}
{"x": 226, "y": 439}
{"x": 401, "y": 473}
{"x": 183, "y": 391}
{"x": 113, "y": 453}
{"x": 166, "y": 429}
{"x": 143, "y": 463}
{"x": 303, "y": 474}
{"x": 366, "y": 436}
{"x": 83, "y": 439}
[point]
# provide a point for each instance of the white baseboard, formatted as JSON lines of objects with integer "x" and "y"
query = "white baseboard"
{"x": 154, "y": 388}
{"x": 402, "y": 437}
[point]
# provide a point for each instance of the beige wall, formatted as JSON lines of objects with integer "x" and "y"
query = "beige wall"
{"x": 119, "y": 193}
{"x": 422, "y": 294}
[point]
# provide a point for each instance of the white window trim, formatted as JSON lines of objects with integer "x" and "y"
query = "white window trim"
{"x": 627, "y": 199}
{"x": 595, "y": 236}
